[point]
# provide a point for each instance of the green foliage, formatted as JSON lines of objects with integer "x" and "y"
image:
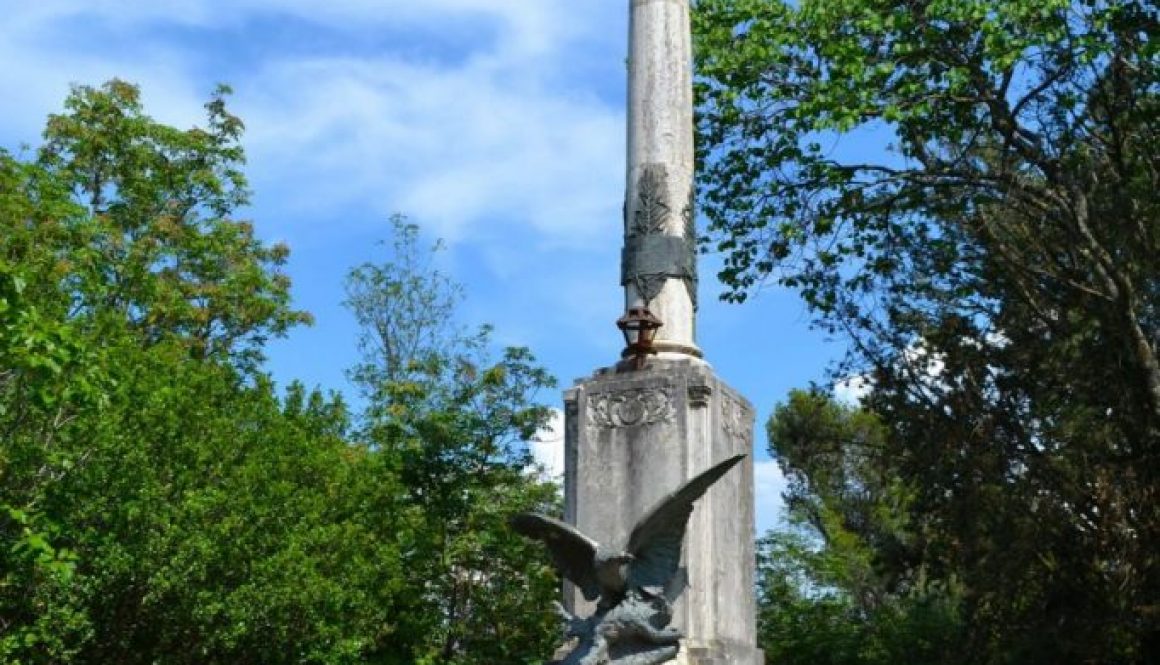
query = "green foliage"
{"x": 156, "y": 244}
{"x": 156, "y": 505}
{"x": 454, "y": 423}
{"x": 405, "y": 308}
{"x": 843, "y": 580}
{"x": 801, "y": 623}
{"x": 996, "y": 274}
{"x": 44, "y": 372}
{"x": 162, "y": 502}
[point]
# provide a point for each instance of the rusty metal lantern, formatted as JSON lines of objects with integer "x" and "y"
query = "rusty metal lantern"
{"x": 639, "y": 327}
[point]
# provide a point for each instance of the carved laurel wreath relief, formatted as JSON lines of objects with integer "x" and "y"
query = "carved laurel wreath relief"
{"x": 644, "y": 406}
{"x": 652, "y": 254}
{"x": 653, "y": 211}
{"x": 649, "y": 219}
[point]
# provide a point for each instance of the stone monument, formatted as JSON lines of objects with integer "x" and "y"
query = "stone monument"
{"x": 635, "y": 431}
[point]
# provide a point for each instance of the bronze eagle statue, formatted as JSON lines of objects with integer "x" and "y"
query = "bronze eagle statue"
{"x": 635, "y": 586}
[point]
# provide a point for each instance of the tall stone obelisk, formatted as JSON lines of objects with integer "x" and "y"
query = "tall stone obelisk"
{"x": 634, "y": 434}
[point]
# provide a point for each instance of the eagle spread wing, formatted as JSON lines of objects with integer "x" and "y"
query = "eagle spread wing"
{"x": 656, "y": 541}
{"x": 573, "y": 553}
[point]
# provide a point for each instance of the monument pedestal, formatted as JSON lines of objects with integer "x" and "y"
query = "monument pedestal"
{"x": 634, "y": 436}
{"x": 718, "y": 652}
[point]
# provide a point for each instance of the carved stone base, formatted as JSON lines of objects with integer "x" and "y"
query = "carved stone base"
{"x": 716, "y": 653}
{"x": 566, "y": 654}
{"x": 719, "y": 653}
{"x": 632, "y": 437}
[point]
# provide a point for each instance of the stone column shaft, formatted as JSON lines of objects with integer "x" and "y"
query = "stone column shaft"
{"x": 659, "y": 263}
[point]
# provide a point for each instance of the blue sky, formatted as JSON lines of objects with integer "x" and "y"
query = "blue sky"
{"x": 497, "y": 125}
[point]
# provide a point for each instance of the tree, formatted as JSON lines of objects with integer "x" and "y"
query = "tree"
{"x": 454, "y": 425}
{"x": 42, "y": 373}
{"x": 158, "y": 501}
{"x": 996, "y": 274}
{"x": 162, "y": 502}
{"x": 215, "y": 524}
{"x": 154, "y": 241}
{"x": 843, "y": 580}
{"x": 840, "y": 488}
{"x": 405, "y": 309}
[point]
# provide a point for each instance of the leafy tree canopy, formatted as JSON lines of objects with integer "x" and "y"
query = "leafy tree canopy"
{"x": 454, "y": 420}
{"x": 151, "y": 232}
{"x": 995, "y": 270}
{"x": 843, "y": 579}
{"x": 162, "y": 502}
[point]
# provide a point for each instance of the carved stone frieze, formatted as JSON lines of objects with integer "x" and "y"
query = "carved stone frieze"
{"x": 631, "y": 408}
{"x": 736, "y": 419}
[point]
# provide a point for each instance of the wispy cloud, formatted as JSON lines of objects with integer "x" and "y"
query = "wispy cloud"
{"x": 768, "y": 484}
{"x": 489, "y": 122}
{"x": 451, "y": 147}
{"x": 548, "y": 448}
{"x": 498, "y": 134}
{"x": 851, "y": 390}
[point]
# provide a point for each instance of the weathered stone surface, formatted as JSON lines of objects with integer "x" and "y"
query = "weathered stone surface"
{"x": 719, "y": 652}
{"x": 658, "y": 192}
{"x": 620, "y": 462}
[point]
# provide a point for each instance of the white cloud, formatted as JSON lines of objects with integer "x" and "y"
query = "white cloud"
{"x": 548, "y": 448}
{"x": 456, "y": 148}
{"x": 39, "y": 72}
{"x": 498, "y": 135}
{"x": 528, "y": 24}
{"x": 852, "y": 389}
{"x": 768, "y": 484}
